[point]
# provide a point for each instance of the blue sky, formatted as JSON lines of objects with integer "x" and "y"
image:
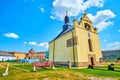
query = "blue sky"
{"x": 26, "y": 24}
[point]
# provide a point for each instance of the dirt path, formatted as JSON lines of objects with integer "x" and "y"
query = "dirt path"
{"x": 99, "y": 78}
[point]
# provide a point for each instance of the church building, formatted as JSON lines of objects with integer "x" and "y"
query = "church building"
{"x": 77, "y": 43}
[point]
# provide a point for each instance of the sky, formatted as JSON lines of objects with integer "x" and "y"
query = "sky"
{"x": 26, "y": 24}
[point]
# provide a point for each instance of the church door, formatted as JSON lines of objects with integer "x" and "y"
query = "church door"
{"x": 92, "y": 61}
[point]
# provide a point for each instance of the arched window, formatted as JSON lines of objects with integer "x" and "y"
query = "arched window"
{"x": 87, "y": 26}
{"x": 90, "y": 44}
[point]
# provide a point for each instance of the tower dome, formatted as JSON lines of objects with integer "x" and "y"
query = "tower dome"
{"x": 66, "y": 20}
{"x": 31, "y": 51}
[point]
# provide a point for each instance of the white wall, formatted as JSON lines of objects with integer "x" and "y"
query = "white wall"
{"x": 4, "y": 58}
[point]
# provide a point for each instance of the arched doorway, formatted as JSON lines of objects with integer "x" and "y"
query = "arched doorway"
{"x": 92, "y": 60}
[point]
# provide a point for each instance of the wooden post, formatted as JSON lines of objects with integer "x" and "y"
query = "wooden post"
{"x": 6, "y": 71}
{"x": 34, "y": 68}
{"x": 69, "y": 64}
{"x": 53, "y": 67}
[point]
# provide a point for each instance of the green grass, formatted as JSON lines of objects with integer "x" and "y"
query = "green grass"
{"x": 41, "y": 74}
{"x": 60, "y": 73}
{"x": 99, "y": 72}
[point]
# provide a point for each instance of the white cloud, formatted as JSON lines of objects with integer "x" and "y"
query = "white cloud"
{"x": 42, "y": 9}
{"x": 44, "y": 44}
{"x": 52, "y": 17}
{"x": 101, "y": 19}
{"x": 104, "y": 40}
{"x": 11, "y": 35}
{"x": 33, "y": 43}
{"x": 25, "y": 42}
{"x": 113, "y": 46}
{"x": 119, "y": 30}
{"x": 47, "y": 46}
{"x": 74, "y": 7}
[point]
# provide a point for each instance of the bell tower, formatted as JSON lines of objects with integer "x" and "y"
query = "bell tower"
{"x": 89, "y": 45}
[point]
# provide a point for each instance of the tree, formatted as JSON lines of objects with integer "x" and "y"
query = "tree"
{"x": 118, "y": 57}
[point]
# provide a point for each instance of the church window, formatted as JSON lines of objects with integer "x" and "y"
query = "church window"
{"x": 72, "y": 41}
{"x": 69, "y": 42}
{"x": 90, "y": 44}
{"x": 89, "y": 34}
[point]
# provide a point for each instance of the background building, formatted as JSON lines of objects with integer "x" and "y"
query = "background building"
{"x": 5, "y": 56}
{"x": 32, "y": 54}
{"x": 41, "y": 55}
{"x": 77, "y": 43}
{"x": 110, "y": 55}
{"x": 38, "y": 55}
{"x": 18, "y": 55}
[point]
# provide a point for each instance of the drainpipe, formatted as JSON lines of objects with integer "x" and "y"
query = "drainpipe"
{"x": 73, "y": 49}
{"x": 53, "y": 54}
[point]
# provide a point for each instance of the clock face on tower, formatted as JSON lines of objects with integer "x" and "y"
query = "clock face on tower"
{"x": 87, "y": 26}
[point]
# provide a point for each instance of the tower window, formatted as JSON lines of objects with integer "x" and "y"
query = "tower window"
{"x": 87, "y": 26}
{"x": 90, "y": 44}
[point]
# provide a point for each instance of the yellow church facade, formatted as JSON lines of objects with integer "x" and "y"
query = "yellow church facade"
{"x": 78, "y": 43}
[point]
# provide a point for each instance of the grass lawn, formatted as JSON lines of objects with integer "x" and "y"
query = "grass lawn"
{"x": 99, "y": 72}
{"x": 60, "y": 73}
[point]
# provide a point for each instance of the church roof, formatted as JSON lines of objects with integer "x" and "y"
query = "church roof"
{"x": 70, "y": 28}
{"x": 66, "y": 27}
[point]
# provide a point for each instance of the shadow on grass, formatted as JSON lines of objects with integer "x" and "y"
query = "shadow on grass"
{"x": 105, "y": 69}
